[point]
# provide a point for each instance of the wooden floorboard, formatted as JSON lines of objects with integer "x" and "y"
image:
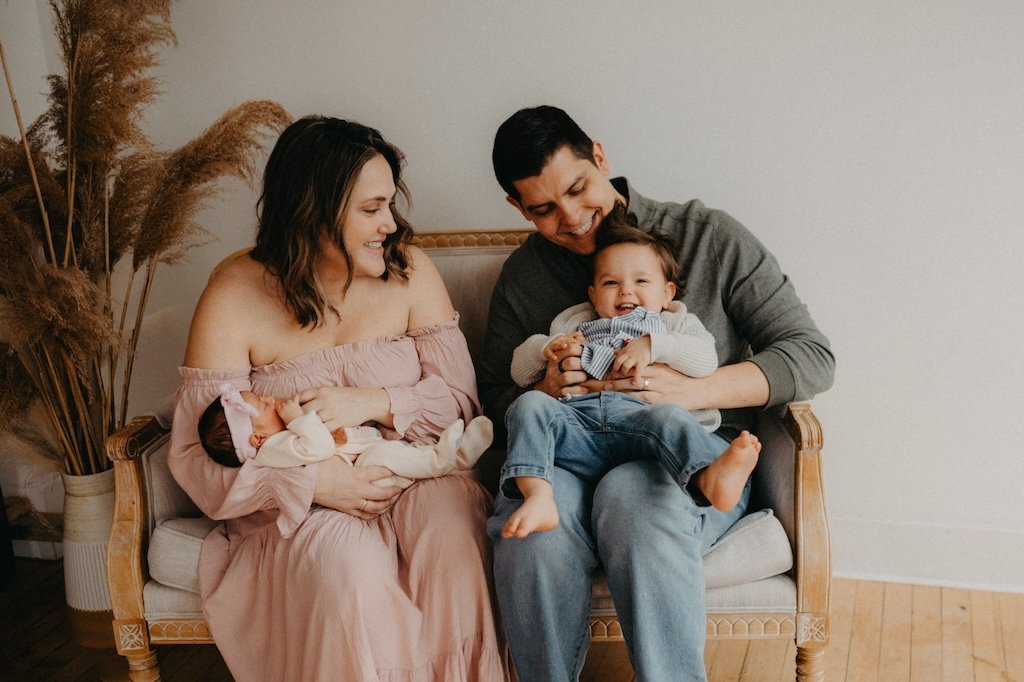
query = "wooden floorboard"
{"x": 1011, "y": 622}
{"x": 879, "y": 631}
{"x": 957, "y": 657}
{"x": 926, "y": 634}
{"x": 897, "y": 630}
{"x": 842, "y": 601}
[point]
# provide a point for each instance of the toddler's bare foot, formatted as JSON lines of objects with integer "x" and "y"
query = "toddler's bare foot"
{"x": 722, "y": 482}
{"x": 538, "y": 511}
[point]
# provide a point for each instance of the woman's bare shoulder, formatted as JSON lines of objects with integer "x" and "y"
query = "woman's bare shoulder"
{"x": 429, "y": 300}
{"x": 421, "y": 268}
{"x": 237, "y": 301}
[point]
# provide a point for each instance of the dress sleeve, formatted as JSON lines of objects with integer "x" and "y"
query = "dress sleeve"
{"x": 225, "y": 492}
{"x": 446, "y": 390}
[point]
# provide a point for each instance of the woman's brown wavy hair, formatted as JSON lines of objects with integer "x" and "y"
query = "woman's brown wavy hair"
{"x": 306, "y": 187}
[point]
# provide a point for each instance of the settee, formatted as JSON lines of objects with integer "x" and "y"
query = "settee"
{"x": 768, "y": 577}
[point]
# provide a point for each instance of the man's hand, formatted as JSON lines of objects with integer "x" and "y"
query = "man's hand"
{"x": 656, "y": 384}
{"x": 739, "y": 385}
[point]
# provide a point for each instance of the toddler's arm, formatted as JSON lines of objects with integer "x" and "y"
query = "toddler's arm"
{"x": 632, "y": 359}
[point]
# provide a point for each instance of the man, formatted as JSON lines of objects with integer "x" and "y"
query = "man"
{"x": 648, "y": 534}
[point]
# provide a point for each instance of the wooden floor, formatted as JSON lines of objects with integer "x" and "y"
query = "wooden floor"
{"x": 880, "y": 631}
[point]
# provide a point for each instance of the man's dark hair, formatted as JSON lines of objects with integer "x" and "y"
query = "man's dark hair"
{"x": 215, "y": 435}
{"x": 529, "y": 138}
{"x": 618, "y": 227}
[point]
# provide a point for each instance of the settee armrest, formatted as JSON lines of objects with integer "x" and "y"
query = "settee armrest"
{"x": 126, "y": 547}
{"x": 813, "y": 547}
{"x": 789, "y": 478}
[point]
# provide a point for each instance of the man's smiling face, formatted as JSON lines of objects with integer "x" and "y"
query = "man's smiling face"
{"x": 567, "y": 200}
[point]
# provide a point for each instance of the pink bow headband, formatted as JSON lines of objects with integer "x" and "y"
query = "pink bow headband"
{"x": 239, "y": 415}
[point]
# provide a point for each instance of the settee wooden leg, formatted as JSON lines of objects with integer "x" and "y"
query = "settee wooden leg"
{"x": 132, "y": 639}
{"x": 810, "y": 663}
{"x": 142, "y": 667}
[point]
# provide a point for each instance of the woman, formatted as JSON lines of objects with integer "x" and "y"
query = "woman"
{"x": 317, "y": 573}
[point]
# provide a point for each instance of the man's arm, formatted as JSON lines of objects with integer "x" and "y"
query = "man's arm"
{"x": 771, "y": 350}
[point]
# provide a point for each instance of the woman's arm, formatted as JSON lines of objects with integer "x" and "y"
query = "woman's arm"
{"x": 447, "y": 388}
{"x": 217, "y": 352}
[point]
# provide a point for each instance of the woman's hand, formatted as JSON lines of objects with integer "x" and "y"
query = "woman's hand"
{"x": 350, "y": 489}
{"x": 339, "y": 406}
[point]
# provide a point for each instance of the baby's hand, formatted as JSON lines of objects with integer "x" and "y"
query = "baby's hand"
{"x": 289, "y": 409}
{"x": 561, "y": 342}
{"x": 632, "y": 359}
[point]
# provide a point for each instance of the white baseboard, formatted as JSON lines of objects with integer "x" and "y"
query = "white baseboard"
{"x": 973, "y": 558}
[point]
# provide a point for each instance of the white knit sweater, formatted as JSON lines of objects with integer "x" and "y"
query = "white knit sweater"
{"x": 686, "y": 347}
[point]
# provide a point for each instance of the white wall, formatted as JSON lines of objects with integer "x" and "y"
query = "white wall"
{"x": 876, "y": 147}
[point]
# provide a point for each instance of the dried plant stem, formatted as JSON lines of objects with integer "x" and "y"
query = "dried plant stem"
{"x": 117, "y": 352}
{"x": 57, "y": 406}
{"x": 72, "y": 163}
{"x": 28, "y": 158}
{"x": 106, "y": 387}
{"x": 140, "y": 311}
{"x": 84, "y": 421}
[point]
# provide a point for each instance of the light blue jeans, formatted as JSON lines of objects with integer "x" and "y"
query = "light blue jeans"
{"x": 649, "y": 535}
{"x": 591, "y": 434}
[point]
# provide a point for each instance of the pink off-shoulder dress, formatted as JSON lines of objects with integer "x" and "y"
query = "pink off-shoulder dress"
{"x": 294, "y": 591}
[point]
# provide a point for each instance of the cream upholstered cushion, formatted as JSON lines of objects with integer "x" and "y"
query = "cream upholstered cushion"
{"x": 756, "y": 547}
{"x": 777, "y": 593}
{"x": 174, "y": 551}
{"x": 742, "y": 570}
{"x": 169, "y": 602}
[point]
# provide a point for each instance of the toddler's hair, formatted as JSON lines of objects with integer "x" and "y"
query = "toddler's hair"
{"x": 215, "y": 435}
{"x": 619, "y": 228}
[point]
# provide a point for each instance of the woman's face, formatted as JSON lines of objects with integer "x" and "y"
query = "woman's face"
{"x": 367, "y": 220}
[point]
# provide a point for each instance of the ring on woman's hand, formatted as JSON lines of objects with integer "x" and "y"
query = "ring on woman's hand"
{"x": 647, "y": 382}
{"x": 362, "y": 507}
{"x": 560, "y": 368}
